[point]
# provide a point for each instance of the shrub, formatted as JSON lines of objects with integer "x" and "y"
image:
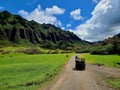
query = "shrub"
{"x": 33, "y": 51}
{"x": 98, "y": 50}
{"x": 66, "y": 52}
{"x": 53, "y": 52}
{"x": 21, "y": 50}
{"x": 49, "y": 45}
{"x": 110, "y": 49}
{"x": 5, "y": 51}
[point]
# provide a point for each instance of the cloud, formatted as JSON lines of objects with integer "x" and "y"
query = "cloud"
{"x": 76, "y": 14}
{"x": 95, "y": 1}
{"x": 63, "y": 28}
{"x": 68, "y": 25}
{"x": 1, "y": 7}
{"x": 54, "y": 10}
{"x": 22, "y": 12}
{"x": 104, "y": 23}
{"x": 44, "y": 16}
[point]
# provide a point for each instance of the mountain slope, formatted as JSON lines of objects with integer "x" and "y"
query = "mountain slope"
{"x": 108, "y": 46}
{"x": 112, "y": 40}
{"x": 18, "y": 30}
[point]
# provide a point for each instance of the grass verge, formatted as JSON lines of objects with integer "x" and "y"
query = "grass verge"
{"x": 115, "y": 82}
{"x": 107, "y": 60}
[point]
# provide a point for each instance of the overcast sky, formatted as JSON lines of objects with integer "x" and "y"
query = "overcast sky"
{"x": 91, "y": 20}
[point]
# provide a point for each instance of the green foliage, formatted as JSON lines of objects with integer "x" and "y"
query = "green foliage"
{"x": 5, "y": 43}
{"x": 98, "y": 50}
{"x": 115, "y": 82}
{"x": 108, "y": 46}
{"x": 83, "y": 49}
{"x": 5, "y": 51}
{"x": 28, "y": 72}
{"x": 33, "y": 50}
{"x": 23, "y": 42}
{"x": 49, "y": 45}
{"x": 53, "y": 52}
{"x": 106, "y": 49}
{"x": 61, "y": 44}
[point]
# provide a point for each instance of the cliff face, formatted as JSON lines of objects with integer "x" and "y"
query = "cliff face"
{"x": 14, "y": 28}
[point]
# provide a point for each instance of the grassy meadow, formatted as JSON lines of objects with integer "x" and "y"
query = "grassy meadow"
{"x": 107, "y": 60}
{"x": 29, "y": 72}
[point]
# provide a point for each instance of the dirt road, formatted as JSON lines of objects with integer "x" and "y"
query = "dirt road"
{"x": 83, "y": 80}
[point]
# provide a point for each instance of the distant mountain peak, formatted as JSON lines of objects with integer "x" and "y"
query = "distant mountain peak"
{"x": 5, "y": 13}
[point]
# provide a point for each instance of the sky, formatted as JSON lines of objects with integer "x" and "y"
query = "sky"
{"x": 91, "y": 20}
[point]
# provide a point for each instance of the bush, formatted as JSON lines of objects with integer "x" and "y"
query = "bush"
{"x": 110, "y": 49}
{"x": 53, "y": 52}
{"x": 99, "y": 50}
{"x": 66, "y": 52}
{"x": 21, "y": 50}
{"x": 118, "y": 50}
{"x": 106, "y": 49}
{"x": 5, "y": 51}
{"x": 49, "y": 45}
{"x": 33, "y": 51}
{"x": 82, "y": 51}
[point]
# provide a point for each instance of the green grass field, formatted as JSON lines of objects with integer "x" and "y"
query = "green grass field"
{"x": 29, "y": 72}
{"x": 107, "y": 60}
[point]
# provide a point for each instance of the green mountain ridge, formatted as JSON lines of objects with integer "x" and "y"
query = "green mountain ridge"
{"x": 110, "y": 45}
{"x": 17, "y": 30}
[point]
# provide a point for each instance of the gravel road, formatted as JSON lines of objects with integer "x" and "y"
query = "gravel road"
{"x": 93, "y": 78}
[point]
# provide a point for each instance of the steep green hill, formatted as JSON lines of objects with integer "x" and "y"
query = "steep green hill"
{"x": 16, "y": 30}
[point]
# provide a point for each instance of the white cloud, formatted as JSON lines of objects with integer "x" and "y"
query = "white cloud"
{"x": 54, "y": 10}
{"x": 95, "y": 1}
{"x": 22, "y": 12}
{"x": 68, "y": 25}
{"x": 63, "y": 28}
{"x": 44, "y": 16}
{"x": 76, "y": 14}
{"x": 104, "y": 23}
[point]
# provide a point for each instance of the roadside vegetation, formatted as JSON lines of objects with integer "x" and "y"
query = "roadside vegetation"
{"x": 115, "y": 82}
{"x": 29, "y": 72}
{"x": 32, "y": 50}
{"x": 106, "y": 60}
